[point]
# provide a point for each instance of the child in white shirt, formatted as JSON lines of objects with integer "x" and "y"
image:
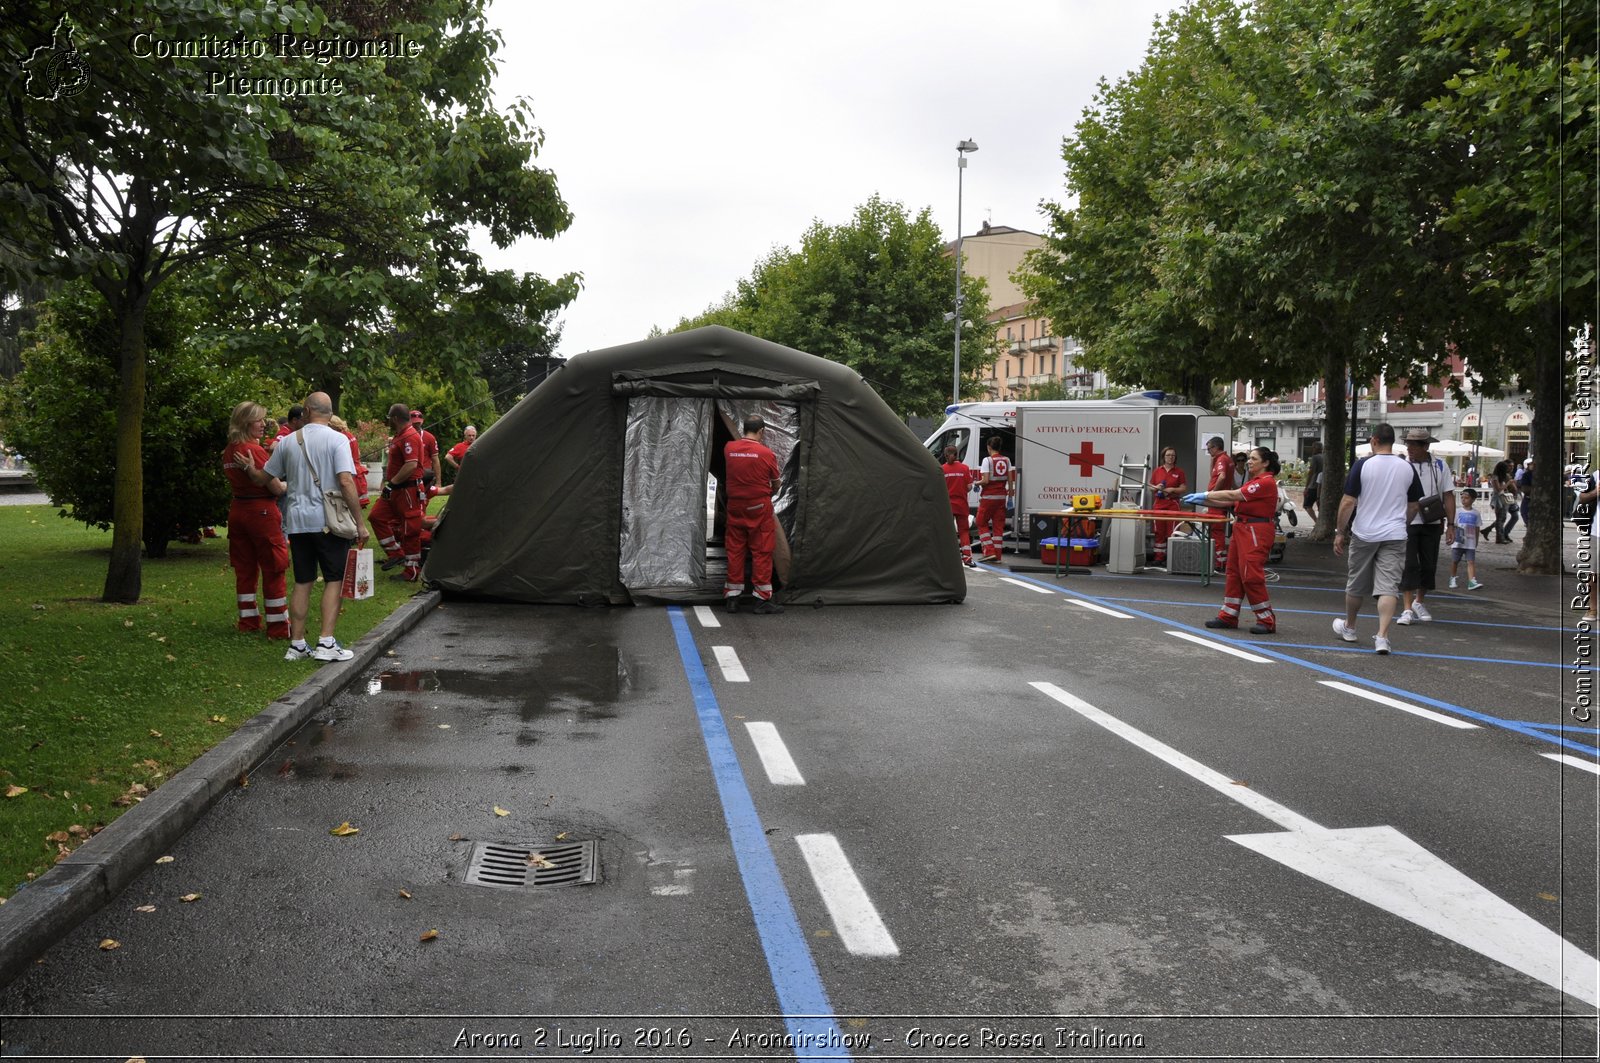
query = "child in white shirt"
{"x": 1464, "y": 540}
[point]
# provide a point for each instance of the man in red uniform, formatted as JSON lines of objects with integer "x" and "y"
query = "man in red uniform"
{"x": 397, "y": 515}
{"x": 958, "y": 479}
{"x": 1221, "y": 480}
{"x": 995, "y": 487}
{"x": 751, "y": 475}
{"x": 1255, "y": 508}
{"x": 458, "y": 453}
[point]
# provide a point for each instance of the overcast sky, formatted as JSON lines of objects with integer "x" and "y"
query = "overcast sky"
{"x": 691, "y": 138}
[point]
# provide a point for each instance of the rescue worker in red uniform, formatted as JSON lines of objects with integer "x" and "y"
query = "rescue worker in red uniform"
{"x": 338, "y": 424}
{"x": 995, "y": 480}
{"x": 751, "y": 474}
{"x": 397, "y": 515}
{"x": 1221, "y": 480}
{"x": 1167, "y": 485}
{"x": 257, "y": 548}
{"x": 1255, "y": 507}
{"x": 958, "y": 480}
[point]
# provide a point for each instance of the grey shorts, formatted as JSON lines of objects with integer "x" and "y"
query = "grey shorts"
{"x": 1375, "y": 568}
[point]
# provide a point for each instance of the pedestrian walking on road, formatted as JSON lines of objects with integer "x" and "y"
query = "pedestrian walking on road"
{"x": 1255, "y": 507}
{"x": 313, "y": 459}
{"x": 1503, "y": 499}
{"x": 995, "y": 479}
{"x": 1423, "y": 537}
{"x": 1374, "y": 533}
{"x": 257, "y": 549}
{"x": 958, "y": 480}
{"x": 752, "y": 477}
{"x": 1464, "y": 545}
{"x": 1313, "y": 495}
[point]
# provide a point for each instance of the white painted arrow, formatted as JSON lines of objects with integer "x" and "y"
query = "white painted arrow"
{"x": 1383, "y": 867}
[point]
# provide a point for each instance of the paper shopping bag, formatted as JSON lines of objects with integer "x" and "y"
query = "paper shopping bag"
{"x": 358, "y": 574}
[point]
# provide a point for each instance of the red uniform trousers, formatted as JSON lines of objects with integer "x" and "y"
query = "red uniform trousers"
{"x": 991, "y": 527}
{"x": 749, "y": 534}
{"x": 257, "y": 549}
{"x": 1220, "y": 533}
{"x": 1162, "y": 529}
{"x": 1247, "y": 574}
{"x": 960, "y": 511}
{"x": 397, "y": 522}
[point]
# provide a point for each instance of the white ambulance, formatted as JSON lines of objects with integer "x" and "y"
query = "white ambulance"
{"x": 1077, "y": 447}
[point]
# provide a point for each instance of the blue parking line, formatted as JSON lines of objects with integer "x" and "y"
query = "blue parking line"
{"x": 1517, "y": 726}
{"x": 1320, "y": 612}
{"x": 1322, "y": 647}
{"x": 801, "y": 996}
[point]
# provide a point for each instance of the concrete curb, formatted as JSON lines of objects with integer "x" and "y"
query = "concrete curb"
{"x": 40, "y": 915}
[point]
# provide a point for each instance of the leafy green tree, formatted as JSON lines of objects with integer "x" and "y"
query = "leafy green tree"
{"x": 149, "y": 167}
{"x": 873, "y": 294}
{"x": 60, "y": 412}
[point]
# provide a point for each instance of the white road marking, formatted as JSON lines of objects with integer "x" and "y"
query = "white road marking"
{"x": 781, "y": 769}
{"x": 1081, "y": 604}
{"x": 1395, "y": 703}
{"x": 1384, "y": 868}
{"x": 854, "y": 918}
{"x": 728, "y": 661}
{"x": 1574, "y": 762}
{"x": 706, "y": 617}
{"x": 1026, "y": 586}
{"x": 1213, "y": 644}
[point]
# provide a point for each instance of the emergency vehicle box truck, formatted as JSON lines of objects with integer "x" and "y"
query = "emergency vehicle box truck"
{"x": 1078, "y": 447}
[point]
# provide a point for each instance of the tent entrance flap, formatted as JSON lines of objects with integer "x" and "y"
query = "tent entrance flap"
{"x": 666, "y": 456}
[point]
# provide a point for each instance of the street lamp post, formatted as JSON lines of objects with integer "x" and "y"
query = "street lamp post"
{"x": 962, "y": 149}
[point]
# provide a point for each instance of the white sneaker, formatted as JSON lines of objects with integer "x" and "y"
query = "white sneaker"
{"x": 1405, "y": 618}
{"x": 1344, "y": 630}
{"x": 1380, "y": 645}
{"x": 295, "y": 653}
{"x": 1420, "y": 611}
{"x": 336, "y": 652}
{"x": 1452, "y": 583}
{"x": 1473, "y": 585}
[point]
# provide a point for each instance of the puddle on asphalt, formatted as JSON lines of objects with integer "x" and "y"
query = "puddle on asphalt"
{"x": 585, "y": 683}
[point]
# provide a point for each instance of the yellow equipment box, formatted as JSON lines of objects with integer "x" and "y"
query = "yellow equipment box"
{"x": 1085, "y": 503}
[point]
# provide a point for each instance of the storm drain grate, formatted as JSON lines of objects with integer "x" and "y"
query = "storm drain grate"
{"x": 511, "y": 867}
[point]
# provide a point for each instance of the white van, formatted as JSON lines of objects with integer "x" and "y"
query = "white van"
{"x": 1074, "y": 447}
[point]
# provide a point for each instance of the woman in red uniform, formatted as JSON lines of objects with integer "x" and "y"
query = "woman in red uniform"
{"x": 1254, "y": 508}
{"x": 1168, "y": 483}
{"x": 257, "y": 548}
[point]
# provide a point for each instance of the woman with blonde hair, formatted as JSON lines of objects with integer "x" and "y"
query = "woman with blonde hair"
{"x": 257, "y": 548}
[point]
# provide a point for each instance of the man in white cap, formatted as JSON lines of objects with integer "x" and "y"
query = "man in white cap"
{"x": 1422, "y": 535}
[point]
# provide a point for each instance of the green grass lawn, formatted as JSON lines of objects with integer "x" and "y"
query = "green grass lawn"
{"x": 97, "y": 700}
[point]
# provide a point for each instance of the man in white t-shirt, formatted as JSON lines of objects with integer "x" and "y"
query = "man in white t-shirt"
{"x": 1380, "y": 498}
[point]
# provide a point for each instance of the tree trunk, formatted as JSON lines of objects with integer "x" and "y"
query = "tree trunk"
{"x": 1333, "y": 458}
{"x": 124, "y": 575}
{"x": 1542, "y": 541}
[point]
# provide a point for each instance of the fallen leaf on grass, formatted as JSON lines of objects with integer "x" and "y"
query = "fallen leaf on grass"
{"x": 145, "y": 908}
{"x": 428, "y": 935}
{"x": 219, "y": 719}
{"x": 107, "y": 944}
{"x": 165, "y": 859}
{"x": 405, "y": 895}
{"x": 190, "y": 898}
{"x": 16, "y": 791}
{"x": 154, "y": 733}
{"x": 77, "y": 830}
{"x": 134, "y": 794}
{"x": 500, "y": 811}
{"x": 344, "y": 830}
{"x": 59, "y": 837}
{"x": 127, "y": 623}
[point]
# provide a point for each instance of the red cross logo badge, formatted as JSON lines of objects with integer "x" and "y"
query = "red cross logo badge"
{"x": 1086, "y": 459}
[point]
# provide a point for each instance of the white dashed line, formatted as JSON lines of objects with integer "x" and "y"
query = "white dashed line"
{"x": 706, "y": 617}
{"x": 1026, "y": 586}
{"x": 728, "y": 661}
{"x": 1573, "y": 762}
{"x": 854, "y": 917}
{"x": 781, "y": 769}
{"x": 1098, "y": 608}
{"x": 1213, "y": 644}
{"x": 1394, "y": 703}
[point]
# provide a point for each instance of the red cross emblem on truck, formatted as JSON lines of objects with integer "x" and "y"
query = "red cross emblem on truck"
{"x": 1086, "y": 459}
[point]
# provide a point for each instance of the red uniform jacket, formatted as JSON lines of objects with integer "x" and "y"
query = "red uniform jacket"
{"x": 751, "y": 468}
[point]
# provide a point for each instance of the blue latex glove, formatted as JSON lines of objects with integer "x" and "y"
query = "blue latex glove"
{"x": 1196, "y": 498}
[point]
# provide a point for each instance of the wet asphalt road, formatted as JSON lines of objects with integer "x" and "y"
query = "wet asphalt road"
{"x": 1016, "y": 858}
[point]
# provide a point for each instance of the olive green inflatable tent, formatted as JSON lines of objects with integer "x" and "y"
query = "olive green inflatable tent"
{"x": 600, "y": 486}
